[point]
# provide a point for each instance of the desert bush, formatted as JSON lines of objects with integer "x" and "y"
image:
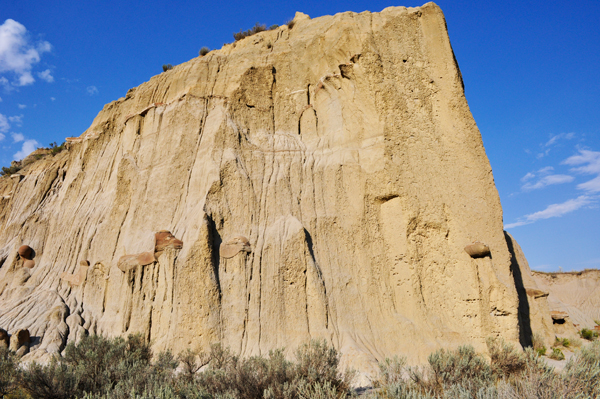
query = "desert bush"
{"x": 290, "y": 24}
{"x": 391, "y": 371}
{"x": 538, "y": 344}
{"x": 204, "y": 51}
{"x": 53, "y": 381}
{"x": 506, "y": 361}
{"x": 583, "y": 370}
{"x": 9, "y": 372}
{"x": 254, "y": 30}
{"x": 7, "y": 171}
{"x": 588, "y": 334}
{"x": 564, "y": 342}
{"x": 101, "y": 364}
{"x": 166, "y": 67}
{"x": 557, "y": 354}
{"x": 55, "y": 149}
{"x": 273, "y": 27}
{"x": 460, "y": 367}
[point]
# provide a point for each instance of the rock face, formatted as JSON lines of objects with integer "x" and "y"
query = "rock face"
{"x": 574, "y": 294}
{"x": 340, "y": 151}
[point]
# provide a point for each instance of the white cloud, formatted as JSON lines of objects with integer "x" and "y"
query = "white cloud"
{"x": 91, "y": 90}
{"x": 528, "y": 176}
{"x": 555, "y": 210}
{"x": 546, "y": 147}
{"x": 28, "y": 147}
{"x": 16, "y": 119}
{"x": 4, "y": 125}
{"x": 2, "y": 136}
{"x": 52, "y": 99}
{"x": 547, "y": 181}
{"x": 17, "y": 137}
{"x": 0, "y": 99}
{"x": 18, "y": 54}
{"x": 22, "y": 106}
{"x": 591, "y": 166}
{"x": 46, "y": 75}
{"x": 544, "y": 178}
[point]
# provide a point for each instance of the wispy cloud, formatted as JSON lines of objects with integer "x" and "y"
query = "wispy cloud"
{"x": 22, "y": 106}
{"x": 547, "y": 181}
{"x": 4, "y": 125}
{"x": 16, "y": 119}
{"x": 591, "y": 166}
{"x": 17, "y": 137}
{"x": 555, "y": 210}
{"x": 92, "y": 90}
{"x": 52, "y": 99}
{"x": 543, "y": 178}
{"x": 547, "y": 146}
{"x": 18, "y": 54}
{"x": 46, "y": 75}
{"x": 27, "y": 148}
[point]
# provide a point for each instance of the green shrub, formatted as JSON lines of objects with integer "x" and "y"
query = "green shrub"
{"x": 273, "y": 27}
{"x": 55, "y": 149}
{"x": 9, "y": 372}
{"x": 53, "y": 381}
{"x": 290, "y": 24}
{"x": 10, "y": 170}
{"x": 541, "y": 351}
{"x": 254, "y": 30}
{"x": 204, "y": 51}
{"x": 506, "y": 361}
{"x": 588, "y": 334}
{"x": 166, "y": 67}
{"x": 557, "y": 354}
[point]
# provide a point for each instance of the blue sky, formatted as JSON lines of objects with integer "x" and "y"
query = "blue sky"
{"x": 531, "y": 72}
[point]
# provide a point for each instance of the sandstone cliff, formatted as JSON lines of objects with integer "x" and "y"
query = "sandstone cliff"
{"x": 323, "y": 180}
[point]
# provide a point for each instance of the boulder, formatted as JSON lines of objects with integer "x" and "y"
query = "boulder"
{"x": 129, "y": 262}
{"x": 4, "y": 339}
{"x": 29, "y": 263}
{"x": 19, "y": 342}
{"x": 164, "y": 239}
{"x": 79, "y": 276}
{"x": 234, "y": 246}
{"x": 25, "y": 252}
{"x": 477, "y": 250}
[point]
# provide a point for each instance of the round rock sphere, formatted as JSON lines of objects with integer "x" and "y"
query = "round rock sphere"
{"x": 25, "y": 251}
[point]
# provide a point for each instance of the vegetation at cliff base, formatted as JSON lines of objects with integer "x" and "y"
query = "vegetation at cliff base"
{"x": 99, "y": 367}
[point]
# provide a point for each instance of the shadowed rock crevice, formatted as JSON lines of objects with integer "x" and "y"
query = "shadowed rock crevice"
{"x": 525, "y": 333}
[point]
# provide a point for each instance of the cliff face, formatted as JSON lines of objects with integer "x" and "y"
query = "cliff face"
{"x": 324, "y": 181}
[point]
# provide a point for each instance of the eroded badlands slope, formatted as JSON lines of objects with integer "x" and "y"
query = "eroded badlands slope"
{"x": 324, "y": 181}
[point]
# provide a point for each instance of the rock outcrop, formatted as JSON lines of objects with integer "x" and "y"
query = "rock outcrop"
{"x": 317, "y": 180}
{"x": 573, "y": 297}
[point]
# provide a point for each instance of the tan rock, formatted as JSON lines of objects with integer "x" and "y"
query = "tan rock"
{"x": 19, "y": 342}
{"x": 234, "y": 246}
{"x": 477, "y": 250}
{"x": 77, "y": 278}
{"x": 574, "y": 293}
{"x": 534, "y": 309}
{"x": 29, "y": 263}
{"x": 129, "y": 262}
{"x": 4, "y": 339}
{"x": 358, "y": 187}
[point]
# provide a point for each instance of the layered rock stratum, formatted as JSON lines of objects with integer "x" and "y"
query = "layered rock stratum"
{"x": 315, "y": 182}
